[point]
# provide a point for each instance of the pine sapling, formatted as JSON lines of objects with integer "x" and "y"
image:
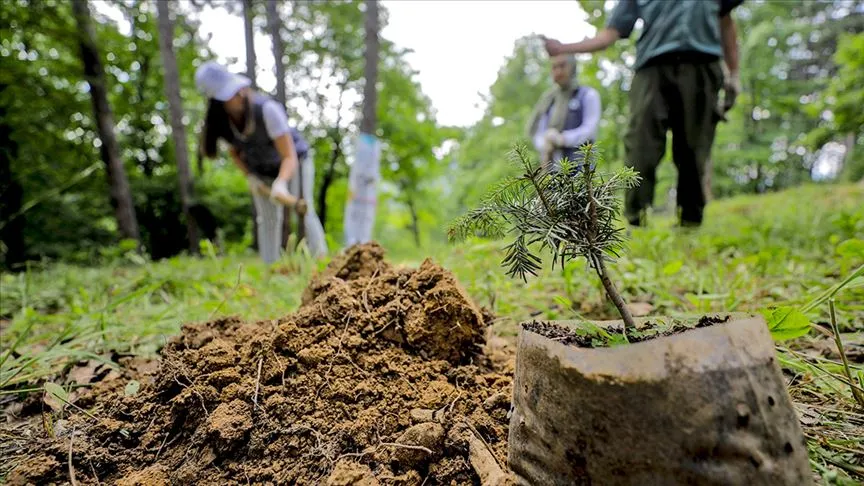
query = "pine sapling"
{"x": 572, "y": 212}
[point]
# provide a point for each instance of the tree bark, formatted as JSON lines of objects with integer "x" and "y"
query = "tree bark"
{"x": 121, "y": 195}
{"x": 12, "y": 232}
{"x": 178, "y": 130}
{"x": 370, "y": 69}
{"x": 415, "y": 224}
{"x": 249, "y": 29}
{"x": 273, "y": 26}
{"x": 329, "y": 177}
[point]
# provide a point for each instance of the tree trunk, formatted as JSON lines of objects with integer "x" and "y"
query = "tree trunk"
{"x": 415, "y": 224}
{"x": 370, "y": 69}
{"x": 329, "y": 177}
{"x": 178, "y": 130}
{"x": 249, "y": 29}
{"x": 12, "y": 232}
{"x": 121, "y": 195}
{"x": 273, "y": 26}
{"x": 706, "y": 179}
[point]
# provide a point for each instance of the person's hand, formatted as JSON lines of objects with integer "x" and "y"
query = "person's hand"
{"x": 279, "y": 189}
{"x": 553, "y": 46}
{"x": 731, "y": 89}
{"x": 554, "y": 138}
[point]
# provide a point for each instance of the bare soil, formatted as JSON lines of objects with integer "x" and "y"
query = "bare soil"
{"x": 382, "y": 376}
{"x": 646, "y": 332}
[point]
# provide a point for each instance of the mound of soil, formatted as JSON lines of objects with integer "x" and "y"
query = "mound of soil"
{"x": 378, "y": 378}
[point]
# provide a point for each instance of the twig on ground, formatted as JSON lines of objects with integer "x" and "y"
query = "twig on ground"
{"x": 406, "y": 446}
{"x": 257, "y": 383}
{"x": 71, "y": 469}
{"x": 366, "y": 291}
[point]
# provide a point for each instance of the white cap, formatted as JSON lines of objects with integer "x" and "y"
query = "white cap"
{"x": 218, "y": 83}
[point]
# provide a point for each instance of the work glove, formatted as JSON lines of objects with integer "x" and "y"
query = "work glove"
{"x": 554, "y": 138}
{"x": 279, "y": 189}
{"x": 731, "y": 89}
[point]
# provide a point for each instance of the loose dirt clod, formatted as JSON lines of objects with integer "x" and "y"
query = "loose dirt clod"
{"x": 321, "y": 396}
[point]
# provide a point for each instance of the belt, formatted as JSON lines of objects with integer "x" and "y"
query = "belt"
{"x": 682, "y": 57}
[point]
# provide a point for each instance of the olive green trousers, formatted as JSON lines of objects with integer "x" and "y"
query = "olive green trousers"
{"x": 680, "y": 95}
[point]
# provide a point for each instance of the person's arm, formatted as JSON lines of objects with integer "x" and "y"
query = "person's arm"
{"x": 591, "y": 111}
{"x": 285, "y": 145}
{"x": 276, "y": 123}
{"x": 729, "y": 38}
{"x": 602, "y": 40}
{"x": 540, "y": 134}
{"x": 619, "y": 26}
{"x": 732, "y": 81}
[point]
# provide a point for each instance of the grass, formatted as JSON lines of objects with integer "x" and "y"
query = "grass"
{"x": 753, "y": 252}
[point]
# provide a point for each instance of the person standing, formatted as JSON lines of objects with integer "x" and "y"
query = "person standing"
{"x": 263, "y": 146}
{"x": 565, "y": 117}
{"x": 676, "y": 85}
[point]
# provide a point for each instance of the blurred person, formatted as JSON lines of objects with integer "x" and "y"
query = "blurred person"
{"x": 566, "y": 116}
{"x": 676, "y": 86}
{"x": 264, "y": 147}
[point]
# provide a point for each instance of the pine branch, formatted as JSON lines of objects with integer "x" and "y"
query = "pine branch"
{"x": 571, "y": 212}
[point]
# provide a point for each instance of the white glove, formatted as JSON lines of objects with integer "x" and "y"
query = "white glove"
{"x": 554, "y": 138}
{"x": 279, "y": 189}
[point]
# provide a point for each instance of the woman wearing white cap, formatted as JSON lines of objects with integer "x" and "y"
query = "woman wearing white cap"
{"x": 263, "y": 146}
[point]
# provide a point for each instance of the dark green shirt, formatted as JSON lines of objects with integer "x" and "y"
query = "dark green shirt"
{"x": 672, "y": 25}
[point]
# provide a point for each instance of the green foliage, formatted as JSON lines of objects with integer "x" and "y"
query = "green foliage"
{"x": 786, "y": 323}
{"x": 572, "y": 212}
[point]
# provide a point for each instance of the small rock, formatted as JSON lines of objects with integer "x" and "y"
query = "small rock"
{"x": 498, "y": 400}
{"x": 347, "y": 473}
{"x": 429, "y": 435}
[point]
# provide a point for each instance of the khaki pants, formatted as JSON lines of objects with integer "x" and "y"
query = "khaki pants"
{"x": 681, "y": 97}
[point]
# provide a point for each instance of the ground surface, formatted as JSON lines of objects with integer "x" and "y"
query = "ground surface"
{"x": 81, "y": 327}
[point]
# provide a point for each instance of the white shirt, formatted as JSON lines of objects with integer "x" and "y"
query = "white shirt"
{"x": 591, "y": 111}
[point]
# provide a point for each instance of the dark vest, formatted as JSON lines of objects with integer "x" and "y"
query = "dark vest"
{"x": 258, "y": 150}
{"x": 573, "y": 120}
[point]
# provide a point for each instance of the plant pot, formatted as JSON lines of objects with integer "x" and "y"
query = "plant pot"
{"x": 704, "y": 406}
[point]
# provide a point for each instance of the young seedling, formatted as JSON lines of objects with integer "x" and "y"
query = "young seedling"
{"x": 571, "y": 212}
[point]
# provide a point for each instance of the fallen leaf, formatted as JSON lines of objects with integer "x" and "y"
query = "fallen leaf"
{"x": 132, "y": 388}
{"x": 84, "y": 374}
{"x": 639, "y": 309}
{"x": 55, "y": 396}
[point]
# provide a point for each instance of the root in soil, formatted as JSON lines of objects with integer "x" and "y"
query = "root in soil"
{"x": 379, "y": 378}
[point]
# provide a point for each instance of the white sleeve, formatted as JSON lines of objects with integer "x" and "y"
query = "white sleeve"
{"x": 275, "y": 119}
{"x": 539, "y": 139}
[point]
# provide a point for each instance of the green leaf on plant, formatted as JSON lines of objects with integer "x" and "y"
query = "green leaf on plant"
{"x": 132, "y": 388}
{"x": 851, "y": 248}
{"x": 55, "y": 396}
{"x": 786, "y": 323}
{"x": 672, "y": 268}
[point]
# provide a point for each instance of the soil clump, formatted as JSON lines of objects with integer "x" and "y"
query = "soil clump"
{"x": 380, "y": 377}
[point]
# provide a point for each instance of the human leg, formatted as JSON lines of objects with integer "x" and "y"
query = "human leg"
{"x": 693, "y": 124}
{"x": 269, "y": 216}
{"x": 645, "y": 141}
